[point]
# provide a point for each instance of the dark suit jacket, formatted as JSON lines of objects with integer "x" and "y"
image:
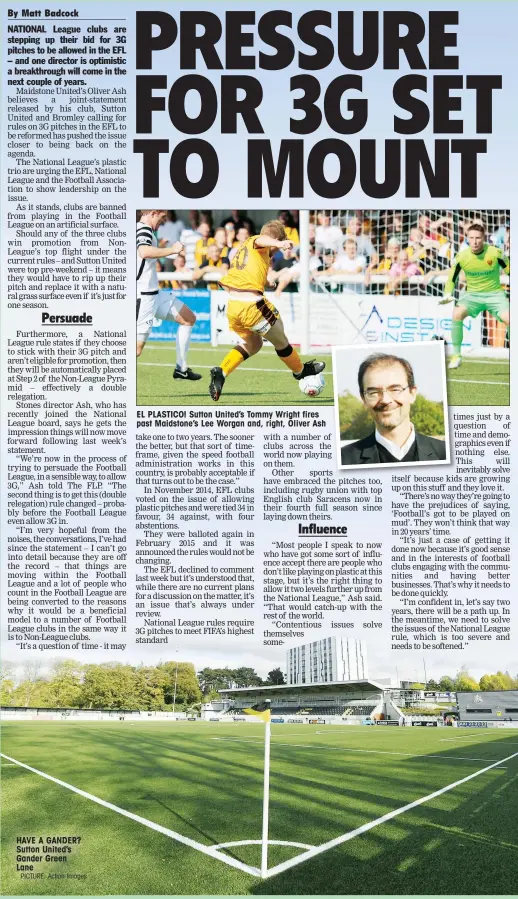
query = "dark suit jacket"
{"x": 365, "y": 452}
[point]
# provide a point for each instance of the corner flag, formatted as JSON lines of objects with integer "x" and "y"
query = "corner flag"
{"x": 261, "y": 710}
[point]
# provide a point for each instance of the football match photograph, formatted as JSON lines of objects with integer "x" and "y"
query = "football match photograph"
{"x": 244, "y": 307}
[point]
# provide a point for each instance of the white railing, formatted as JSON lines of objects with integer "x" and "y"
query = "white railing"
{"x": 164, "y": 277}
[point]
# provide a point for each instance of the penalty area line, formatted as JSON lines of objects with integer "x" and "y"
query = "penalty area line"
{"x": 507, "y": 743}
{"x": 332, "y": 844}
{"x": 192, "y": 844}
{"x": 326, "y": 746}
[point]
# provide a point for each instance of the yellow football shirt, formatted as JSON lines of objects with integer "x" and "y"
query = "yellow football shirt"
{"x": 292, "y": 234}
{"x": 248, "y": 268}
{"x": 208, "y": 263}
{"x": 201, "y": 246}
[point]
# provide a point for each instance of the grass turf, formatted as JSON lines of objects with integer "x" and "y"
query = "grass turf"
{"x": 262, "y": 380}
{"x": 479, "y": 382}
{"x": 204, "y": 781}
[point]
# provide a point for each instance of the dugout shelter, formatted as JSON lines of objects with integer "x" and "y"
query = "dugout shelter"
{"x": 491, "y": 705}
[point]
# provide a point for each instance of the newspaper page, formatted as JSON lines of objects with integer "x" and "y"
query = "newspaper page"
{"x": 258, "y": 618}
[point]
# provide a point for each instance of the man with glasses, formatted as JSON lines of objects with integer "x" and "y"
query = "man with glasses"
{"x": 388, "y": 391}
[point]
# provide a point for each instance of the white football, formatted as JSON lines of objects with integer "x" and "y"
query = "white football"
{"x": 313, "y": 385}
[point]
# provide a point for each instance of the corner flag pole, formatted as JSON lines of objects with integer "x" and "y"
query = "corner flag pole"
{"x": 266, "y": 798}
{"x": 305, "y": 341}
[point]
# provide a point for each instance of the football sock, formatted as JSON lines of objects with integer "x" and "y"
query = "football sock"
{"x": 235, "y": 357}
{"x": 291, "y": 358}
{"x": 457, "y": 333}
{"x": 183, "y": 338}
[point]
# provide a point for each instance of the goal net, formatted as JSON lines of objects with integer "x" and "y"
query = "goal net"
{"x": 376, "y": 276}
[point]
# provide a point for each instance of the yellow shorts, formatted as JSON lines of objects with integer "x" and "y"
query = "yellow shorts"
{"x": 254, "y": 314}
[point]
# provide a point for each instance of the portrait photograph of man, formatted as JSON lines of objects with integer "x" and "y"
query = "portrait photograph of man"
{"x": 391, "y": 405}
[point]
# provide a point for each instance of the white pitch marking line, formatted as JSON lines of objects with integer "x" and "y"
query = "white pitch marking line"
{"x": 193, "y": 844}
{"x": 324, "y": 847}
{"x": 277, "y": 371}
{"x": 475, "y": 733}
{"x": 364, "y": 732}
{"x": 486, "y": 361}
{"x": 265, "y": 350}
{"x": 510, "y": 743}
{"x": 326, "y": 732}
{"x": 472, "y": 736}
{"x": 460, "y": 380}
{"x": 412, "y": 755}
{"x": 260, "y": 842}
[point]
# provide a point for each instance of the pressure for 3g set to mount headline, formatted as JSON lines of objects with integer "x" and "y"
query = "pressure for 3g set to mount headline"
{"x": 240, "y": 40}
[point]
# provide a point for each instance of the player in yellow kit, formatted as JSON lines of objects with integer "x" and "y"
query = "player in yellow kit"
{"x": 250, "y": 315}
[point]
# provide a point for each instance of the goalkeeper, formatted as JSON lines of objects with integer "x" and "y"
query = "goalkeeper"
{"x": 482, "y": 265}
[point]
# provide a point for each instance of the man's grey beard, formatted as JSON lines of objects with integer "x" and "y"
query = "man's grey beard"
{"x": 390, "y": 426}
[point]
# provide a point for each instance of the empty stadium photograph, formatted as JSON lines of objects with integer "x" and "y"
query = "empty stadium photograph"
{"x": 320, "y": 779}
{"x": 323, "y": 278}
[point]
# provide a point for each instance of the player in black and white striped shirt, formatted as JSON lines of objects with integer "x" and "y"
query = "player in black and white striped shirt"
{"x": 155, "y": 303}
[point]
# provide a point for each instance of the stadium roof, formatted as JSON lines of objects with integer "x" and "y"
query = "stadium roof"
{"x": 281, "y": 688}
